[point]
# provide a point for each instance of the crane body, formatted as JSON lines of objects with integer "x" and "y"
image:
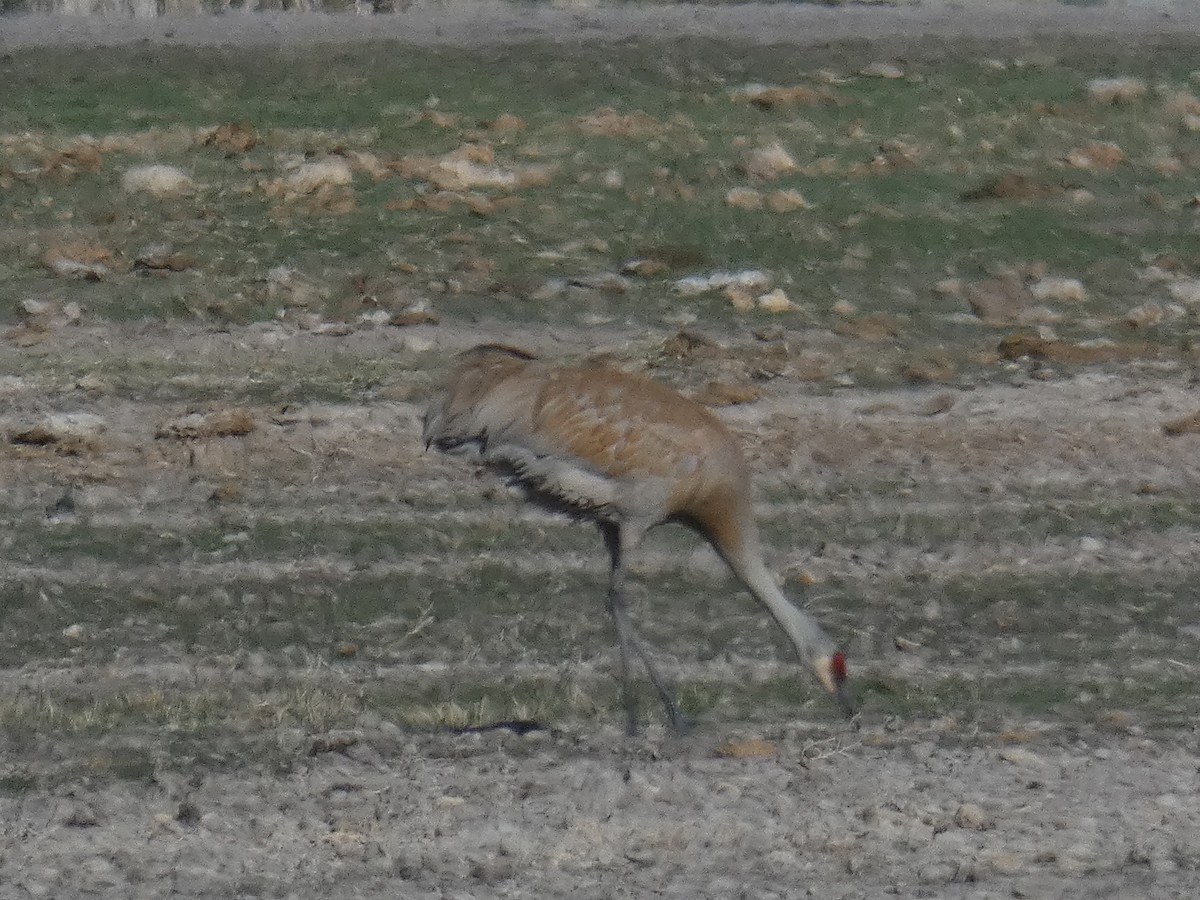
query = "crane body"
{"x": 626, "y": 453}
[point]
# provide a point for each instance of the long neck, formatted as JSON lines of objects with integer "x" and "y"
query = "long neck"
{"x": 810, "y": 640}
{"x": 740, "y": 548}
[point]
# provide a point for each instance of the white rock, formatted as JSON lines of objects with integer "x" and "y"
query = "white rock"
{"x": 1145, "y": 315}
{"x": 768, "y": 162}
{"x": 1155, "y": 275}
{"x": 311, "y": 176}
{"x": 418, "y": 344}
{"x": 970, "y": 815}
{"x": 1116, "y": 90}
{"x": 78, "y": 425}
{"x": 1018, "y": 756}
{"x": 159, "y": 180}
{"x": 775, "y": 301}
{"x": 1054, "y": 288}
{"x": 751, "y": 279}
{"x": 882, "y": 70}
{"x": 1186, "y": 291}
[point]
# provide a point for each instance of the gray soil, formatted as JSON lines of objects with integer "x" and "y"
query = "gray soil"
{"x": 904, "y": 806}
{"x": 880, "y": 807}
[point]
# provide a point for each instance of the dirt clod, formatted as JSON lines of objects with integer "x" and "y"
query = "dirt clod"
{"x": 219, "y": 423}
{"x": 1184, "y": 425}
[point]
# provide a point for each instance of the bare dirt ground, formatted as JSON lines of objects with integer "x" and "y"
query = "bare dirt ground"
{"x": 1090, "y": 804}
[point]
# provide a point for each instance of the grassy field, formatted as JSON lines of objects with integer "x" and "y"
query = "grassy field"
{"x": 527, "y": 201}
{"x": 219, "y": 593}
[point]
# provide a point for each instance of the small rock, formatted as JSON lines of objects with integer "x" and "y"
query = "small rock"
{"x": 1145, "y": 315}
{"x": 1185, "y": 291}
{"x": 1091, "y": 545}
{"x": 1185, "y": 425}
{"x": 1076, "y": 861}
{"x": 1020, "y": 757}
{"x": 605, "y": 282}
{"x": 61, "y": 510}
{"x": 411, "y": 317}
{"x": 310, "y": 177}
{"x": 77, "y": 814}
{"x": 1005, "y": 863}
{"x": 750, "y": 279}
{"x": 551, "y": 289}
{"x": 739, "y": 298}
{"x": 786, "y": 201}
{"x": 158, "y": 180}
{"x": 936, "y": 405}
{"x": 92, "y": 384}
{"x": 1010, "y": 185}
{"x": 89, "y": 262}
{"x": 873, "y": 328}
{"x": 768, "y": 162}
{"x": 407, "y": 863}
{"x": 932, "y": 371}
{"x": 187, "y": 813}
{"x": 506, "y": 121}
{"x": 161, "y": 257}
{"x": 1095, "y": 155}
{"x": 775, "y": 301}
{"x": 67, "y": 429}
{"x": 232, "y": 137}
{"x": 769, "y": 97}
{"x": 882, "y": 70}
{"x": 74, "y": 633}
{"x": 226, "y": 492}
{"x": 998, "y": 301}
{"x": 334, "y": 742}
{"x": 1116, "y": 90}
{"x": 724, "y": 393}
{"x": 644, "y": 268}
{"x": 1058, "y": 289}
{"x": 970, "y": 816}
{"x": 744, "y": 198}
{"x": 234, "y": 422}
{"x": 770, "y": 333}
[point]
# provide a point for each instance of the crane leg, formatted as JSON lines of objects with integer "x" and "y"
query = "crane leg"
{"x": 620, "y": 543}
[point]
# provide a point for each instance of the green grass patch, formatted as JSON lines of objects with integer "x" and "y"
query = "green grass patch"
{"x": 878, "y": 233}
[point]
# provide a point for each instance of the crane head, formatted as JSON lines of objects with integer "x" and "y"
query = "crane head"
{"x": 831, "y": 672}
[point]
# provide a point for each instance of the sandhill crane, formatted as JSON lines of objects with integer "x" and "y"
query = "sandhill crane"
{"x": 627, "y": 453}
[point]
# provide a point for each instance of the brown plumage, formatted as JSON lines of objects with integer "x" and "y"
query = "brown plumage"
{"x": 627, "y": 453}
